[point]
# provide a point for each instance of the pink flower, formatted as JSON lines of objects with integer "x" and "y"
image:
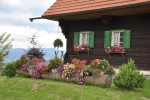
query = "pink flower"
{"x": 24, "y": 55}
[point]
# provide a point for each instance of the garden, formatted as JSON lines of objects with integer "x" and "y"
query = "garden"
{"x": 31, "y": 77}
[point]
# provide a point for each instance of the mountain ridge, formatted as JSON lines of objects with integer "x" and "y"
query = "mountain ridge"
{"x": 15, "y": 53}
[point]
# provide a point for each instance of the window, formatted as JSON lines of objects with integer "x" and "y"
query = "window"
{"x": 84, "y": 38}
{"x": 117, "y": 37}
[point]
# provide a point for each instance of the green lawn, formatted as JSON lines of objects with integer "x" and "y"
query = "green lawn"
{"x": 19, "y": 88}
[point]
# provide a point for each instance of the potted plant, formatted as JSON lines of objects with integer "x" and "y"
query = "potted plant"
{"x": 54, "y": 63}
{"x": 58, "y": 43}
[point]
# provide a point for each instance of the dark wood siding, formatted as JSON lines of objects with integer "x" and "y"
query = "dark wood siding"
{"x": 140, "y": 39}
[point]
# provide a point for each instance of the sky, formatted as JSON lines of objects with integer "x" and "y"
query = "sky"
{"x": 14, "y": 20}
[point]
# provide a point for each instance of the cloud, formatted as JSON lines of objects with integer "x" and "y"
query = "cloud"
{"x": 15, "y": 16}
{"x": 24, "y": 6}
{"x": 21, "y": 34}
{"x": 18, "y": 12}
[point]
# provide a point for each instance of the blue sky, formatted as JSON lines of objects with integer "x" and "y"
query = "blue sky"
{"x": 14, "y": 19}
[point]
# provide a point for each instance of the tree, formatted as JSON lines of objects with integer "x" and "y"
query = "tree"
{"x": 5, "y": 45}
{"x": 35, "y": 50}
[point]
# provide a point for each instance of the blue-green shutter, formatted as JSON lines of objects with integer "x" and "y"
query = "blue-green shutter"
{"x": 91, "y": 40}
{"x": 76, "y": 38}
{"x": 126, "y": 39}
{"x": 107, "y": 39}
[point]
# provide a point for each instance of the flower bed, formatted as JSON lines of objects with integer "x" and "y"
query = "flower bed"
{"x": 98, "y": 72}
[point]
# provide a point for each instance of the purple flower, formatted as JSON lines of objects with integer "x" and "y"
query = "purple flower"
{"x": 60, "y": 68}
{"x": 36, "y": 73}
{"x": 40, "y": 65}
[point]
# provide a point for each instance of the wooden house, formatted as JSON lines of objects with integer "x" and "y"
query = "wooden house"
{"x": 104, "y": 24}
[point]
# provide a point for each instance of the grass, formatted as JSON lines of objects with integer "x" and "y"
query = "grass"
{"x": 18, "y": 88}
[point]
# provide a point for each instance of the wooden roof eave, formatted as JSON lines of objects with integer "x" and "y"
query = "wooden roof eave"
{"x": 56, "y": 17}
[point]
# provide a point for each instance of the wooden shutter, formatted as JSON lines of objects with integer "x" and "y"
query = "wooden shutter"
{"x": 107, "y": 39}
{"x": 76, "y": 38}
{"x": 91, "y": 39}
{"x": 126, "y": 39}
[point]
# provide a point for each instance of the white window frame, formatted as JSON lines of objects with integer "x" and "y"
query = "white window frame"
{"x": 81, "y": 37}
{"x": 118, "y": 38}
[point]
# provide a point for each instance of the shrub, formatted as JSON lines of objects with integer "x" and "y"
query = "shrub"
{"x": 128, "y": 77}
{"x": 18, "y": 63}
{"x": 9, "y": 70}
{"x": 54, "y": 63}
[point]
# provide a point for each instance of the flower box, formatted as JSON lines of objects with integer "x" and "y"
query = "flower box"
{"x": 117, "y": 49}
{"x": 81, "y": 48}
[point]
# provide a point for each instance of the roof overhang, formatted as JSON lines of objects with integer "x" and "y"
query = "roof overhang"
{"x": 92, "y": 14}
{"x": 31, "y": 19}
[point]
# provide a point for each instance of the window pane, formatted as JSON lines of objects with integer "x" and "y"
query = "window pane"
{"x": 116, "y": 37}
{"x": 87, "y": 38}
{"x": 83, "y": 35}
{"x": 121, "y": 38}
{"x": 84, "y": 38}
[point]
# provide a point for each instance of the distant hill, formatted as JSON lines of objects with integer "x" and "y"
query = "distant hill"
{"x": 15, "y": 53}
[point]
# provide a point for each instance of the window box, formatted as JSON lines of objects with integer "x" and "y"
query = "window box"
{"x": 117, "y": 49}
{"x": 81, "y": 48}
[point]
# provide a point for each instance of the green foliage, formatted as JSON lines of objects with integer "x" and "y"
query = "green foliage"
{"x": 58, "y": 43}
{"x": 69, "y": 72}
{"x": 87, "y": 71}
{"x": 9, "y": 70}
{"x": 18, "y": 63}
{"x": 102, "y": 65}
{"x": 5, "y": 45}
{"x": 24, "y": 75}
{"x": 54, "y": 63}
{"x": 129, "y": 77}
{"x": 110, "y": 70}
